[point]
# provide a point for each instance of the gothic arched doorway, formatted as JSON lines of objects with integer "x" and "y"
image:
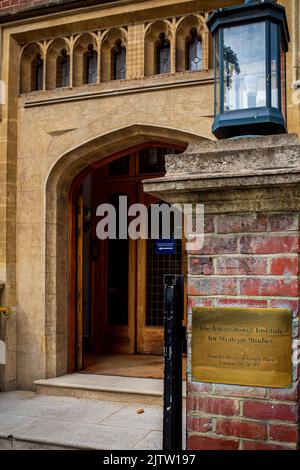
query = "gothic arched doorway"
{"x": 116, "y": 285}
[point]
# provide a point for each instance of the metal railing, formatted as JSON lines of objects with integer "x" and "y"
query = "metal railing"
{"x": 173, "y": 316}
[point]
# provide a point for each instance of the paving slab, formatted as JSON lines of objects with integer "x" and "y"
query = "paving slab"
{"x": 152, "y": 441}
{"x": 91, "y": 411}
{"x": 32, "y": 421}
{"x": 151, "y": 419}
{"x": 84, "y": 436}
{"x": 37, "y": 406}
{"x": 9, "y": 424}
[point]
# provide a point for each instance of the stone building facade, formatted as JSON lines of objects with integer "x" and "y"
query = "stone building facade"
{"x": 57, "y": 119}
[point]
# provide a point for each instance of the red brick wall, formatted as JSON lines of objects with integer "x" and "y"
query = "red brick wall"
{"x": 248, "y": 260}
{"x": 19, "y": 5}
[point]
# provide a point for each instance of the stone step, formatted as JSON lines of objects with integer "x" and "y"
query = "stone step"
{"x": 105, "y": 387}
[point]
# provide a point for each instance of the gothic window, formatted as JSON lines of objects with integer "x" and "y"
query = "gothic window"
{"x": 118, "y": 61}
{"x": 194, "y": 51}
{"x": 63, "y": 70}
{"x": 162, "y": 55}
{"x": 37, "y": 66}
{"x": 90, "y": 65}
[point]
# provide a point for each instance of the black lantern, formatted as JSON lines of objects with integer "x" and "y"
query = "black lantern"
{"x": 250, "y": 46}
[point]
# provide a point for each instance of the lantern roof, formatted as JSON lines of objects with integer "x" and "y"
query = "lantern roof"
{"x": 249, "y": 12}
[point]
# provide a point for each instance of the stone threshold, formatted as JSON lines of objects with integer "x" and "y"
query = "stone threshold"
{"x": 105, "y": 387}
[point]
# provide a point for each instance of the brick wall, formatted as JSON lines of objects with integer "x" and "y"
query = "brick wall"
{"x": 19, "y": 5}
{"x": 248, "y": 261}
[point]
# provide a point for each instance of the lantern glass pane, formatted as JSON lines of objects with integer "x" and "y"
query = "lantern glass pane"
{"x": 244, "y": 56}
{"x": 283, "y": 80}
{"x": 274, "y": 66}
{"x": 217, "y": 75}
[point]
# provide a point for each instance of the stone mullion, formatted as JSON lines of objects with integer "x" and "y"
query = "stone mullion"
{"x": 44, "y": 52}
{"x": 71, "y": 52}
{"x": 99, "y": 44}
{"x": 173, "y": 46}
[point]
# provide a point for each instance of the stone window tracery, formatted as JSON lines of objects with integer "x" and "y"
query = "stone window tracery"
{"x": 58, "y": 61}
{"x": 85, "y": 60}
{"x": 194, "y": 51}
{"x": 161, "y": 46}
{"x": 32, "y": 69}
{"x": 158, "y": 48}
{"x": 114, "y": 55}
{"x": 192, "y": 44}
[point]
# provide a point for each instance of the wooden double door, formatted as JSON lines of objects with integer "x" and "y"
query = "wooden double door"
{"x": 120, "y": 308}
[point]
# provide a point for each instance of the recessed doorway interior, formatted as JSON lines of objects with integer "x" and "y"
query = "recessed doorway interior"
{"x": 117, "y": 285}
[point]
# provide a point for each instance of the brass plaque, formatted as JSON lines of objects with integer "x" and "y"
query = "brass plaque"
{"x": 242, "y": 346}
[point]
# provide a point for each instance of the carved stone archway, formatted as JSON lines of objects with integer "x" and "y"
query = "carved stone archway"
{"x": 58, "y": 185}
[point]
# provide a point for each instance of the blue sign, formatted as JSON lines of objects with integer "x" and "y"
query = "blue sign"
{"x": 165, "y": 247}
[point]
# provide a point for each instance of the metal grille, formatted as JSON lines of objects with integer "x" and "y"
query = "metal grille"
{"x": 157, "y": 267}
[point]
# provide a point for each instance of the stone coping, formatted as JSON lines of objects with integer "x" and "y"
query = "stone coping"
{"x": 230, "y": 164}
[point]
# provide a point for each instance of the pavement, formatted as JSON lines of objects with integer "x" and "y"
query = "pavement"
{"x": 33, "y": 421}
